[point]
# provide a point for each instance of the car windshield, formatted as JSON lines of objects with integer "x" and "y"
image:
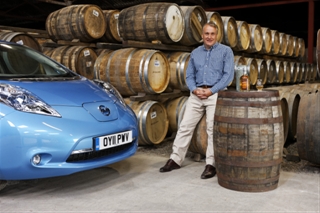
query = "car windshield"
{"x": 17, "y": 61}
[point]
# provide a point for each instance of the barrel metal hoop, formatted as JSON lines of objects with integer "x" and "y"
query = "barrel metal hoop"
{"x": 274, "y": 179}
{"x": 247, "y": 121}
{"x": 143, "y": 70}
{"x": 250, "y": 164}
{"x": 236, "y": 94}
{"x": 248, "y": 103}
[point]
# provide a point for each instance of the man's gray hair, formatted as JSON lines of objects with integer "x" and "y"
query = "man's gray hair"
{"x": 211, "y": 24}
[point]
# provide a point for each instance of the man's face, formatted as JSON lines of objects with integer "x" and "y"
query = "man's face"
{"x": 209, "y": 36}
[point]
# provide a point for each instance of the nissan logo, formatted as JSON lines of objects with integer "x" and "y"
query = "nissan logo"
{"x": 104, "y": 110}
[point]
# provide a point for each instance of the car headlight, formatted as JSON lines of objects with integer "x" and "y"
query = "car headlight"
{"x": 111, "y": 91}
{"x": 22, "y": 100}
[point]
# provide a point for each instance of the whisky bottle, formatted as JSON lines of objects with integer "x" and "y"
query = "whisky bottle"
{"x": 244, "y": 81}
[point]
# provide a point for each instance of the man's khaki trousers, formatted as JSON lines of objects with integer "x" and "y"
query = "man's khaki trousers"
{"x": 195, "y": 109}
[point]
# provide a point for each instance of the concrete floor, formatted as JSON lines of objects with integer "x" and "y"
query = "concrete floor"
{"x": 135, "y": 185}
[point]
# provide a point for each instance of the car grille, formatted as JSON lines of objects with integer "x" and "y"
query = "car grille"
{"x": 98, "y": 154}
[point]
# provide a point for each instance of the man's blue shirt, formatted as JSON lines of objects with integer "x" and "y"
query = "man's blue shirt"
{"x": 214, "y": 67}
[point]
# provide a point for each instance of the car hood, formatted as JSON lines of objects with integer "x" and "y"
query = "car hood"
{"x": 70, "y": 93}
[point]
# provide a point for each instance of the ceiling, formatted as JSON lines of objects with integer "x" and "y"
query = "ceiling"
{"x": 287, "y": 16}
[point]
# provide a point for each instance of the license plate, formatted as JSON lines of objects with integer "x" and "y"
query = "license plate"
{"x": 109, "y": 141}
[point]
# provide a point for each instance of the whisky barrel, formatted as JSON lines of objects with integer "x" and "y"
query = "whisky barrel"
{"x": 280, "y": 72}
{"x": 194, "y": 18}
{"x": 248, "y": 140}
{"x": 293, "y": 72}
{"x": 252, "y": 68}
{"x": 102, "y": 51}
{"x": 299, "y": 72}
{"x": 238, "y": 62}
{"x": 308, "y": 128}
{"x": 230, "y": 31}
{"x": 315, "y": 72}
{"x": 292, "y": 96}
{"x": 287, "y": 71}
{"x": 152, "y": 21}
{"x": 311, "y": 72}
{"x": 262, "y": 70}
{"x": 99, "y": 67}
{"x": 290, "y": 45}
{"x": 48, "y": 51}
{"x": 21, "y": 38}
{"x": 58, "y": 53}
{"x": 175, "y": 109}
{"x": 307, "y": 72}
{"x": 80, "y": 59}
{"x": 302, "y": 73}
{"x": 132, "y": 71}
{"x": 296, "y": 46}
{"x": 152, "y": 121}
{"x": 243, "y": 36}
{"x": 178, "y": 62}
{"x": 112, "y": 33}
{"x": 275, "y": 42}
{"x": 271, "y": 71}
{"x": 267, "y": 40}
{"x": 84, "y": 22}
{"x": 256, "y": 38}
{"x": 199, "y": 140}
{"x": 283, "y": 44}
{"x": 302, "y": 47}
{"x": 216, "y": 18}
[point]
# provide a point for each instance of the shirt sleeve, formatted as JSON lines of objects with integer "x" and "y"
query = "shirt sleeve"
{"x": 190, "y": 74}
{"x": 227, "y": 72}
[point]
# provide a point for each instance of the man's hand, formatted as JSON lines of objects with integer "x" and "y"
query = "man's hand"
{"x": 202, "y": 93}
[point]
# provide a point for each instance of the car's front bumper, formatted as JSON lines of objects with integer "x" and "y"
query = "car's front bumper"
{"x": 63, "y": 143}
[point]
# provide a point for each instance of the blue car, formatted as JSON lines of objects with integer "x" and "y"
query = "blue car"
{"x": 55, "y": 122}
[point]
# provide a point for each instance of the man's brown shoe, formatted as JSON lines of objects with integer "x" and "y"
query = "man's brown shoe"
{"x": 170, "y": 165}
{"x": 208, "y": 172}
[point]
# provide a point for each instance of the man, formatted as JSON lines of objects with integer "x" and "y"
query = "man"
{"x": 210, "y": 69}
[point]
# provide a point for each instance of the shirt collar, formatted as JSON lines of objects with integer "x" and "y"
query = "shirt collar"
{"x": 213, "y": 46}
